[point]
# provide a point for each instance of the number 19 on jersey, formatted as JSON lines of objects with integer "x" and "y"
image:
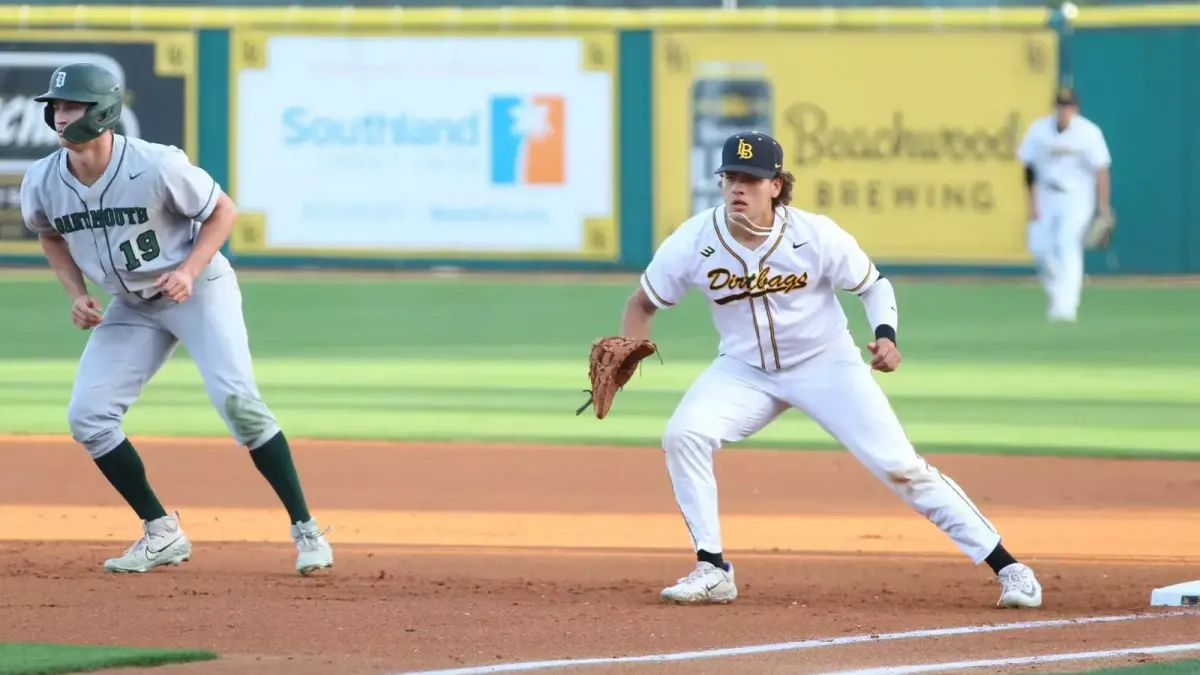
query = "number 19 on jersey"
{"x": 147, "y": 249}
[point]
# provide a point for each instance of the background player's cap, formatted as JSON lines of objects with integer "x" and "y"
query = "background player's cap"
{"x": 752, "y": 153}
{"x": 1066, "y": 96}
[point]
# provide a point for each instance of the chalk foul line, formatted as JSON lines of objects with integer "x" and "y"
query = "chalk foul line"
{"x": 1024, "y": 660}
{"x": 802, "y": 644}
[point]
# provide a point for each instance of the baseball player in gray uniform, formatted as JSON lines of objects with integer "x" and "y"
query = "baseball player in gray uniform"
{"x": 140, "y": 221}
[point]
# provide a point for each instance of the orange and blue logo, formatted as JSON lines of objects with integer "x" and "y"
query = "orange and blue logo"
{"x": 528, "y": 140}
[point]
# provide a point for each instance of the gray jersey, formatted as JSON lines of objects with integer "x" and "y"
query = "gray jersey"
{"x": 136, "y": 222}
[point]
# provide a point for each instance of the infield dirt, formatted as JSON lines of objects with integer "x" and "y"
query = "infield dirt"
{"x": 466, "y": 555}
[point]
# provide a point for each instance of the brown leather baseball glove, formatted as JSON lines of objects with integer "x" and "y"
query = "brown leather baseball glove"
{"x": 1099, "y": 233}
{"x": 613, "y": 361}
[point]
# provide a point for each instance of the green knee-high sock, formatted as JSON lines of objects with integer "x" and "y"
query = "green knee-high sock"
{"x": 274, "y": 461}
{"x": 124, "y": 470}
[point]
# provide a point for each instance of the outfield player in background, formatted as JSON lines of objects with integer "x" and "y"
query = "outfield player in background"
{"x": 1067, "y": 171}
{"x": 147, "y": 226}
{"x": 771, "y": 273}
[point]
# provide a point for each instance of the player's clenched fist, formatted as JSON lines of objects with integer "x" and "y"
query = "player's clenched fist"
{"x": 176, "y": 285}
{"x": 887, "y": 355}
{"x": 85, "y": 312}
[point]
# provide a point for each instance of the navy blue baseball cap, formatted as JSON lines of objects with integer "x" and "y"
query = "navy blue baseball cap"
{"x": 752, "y": 153}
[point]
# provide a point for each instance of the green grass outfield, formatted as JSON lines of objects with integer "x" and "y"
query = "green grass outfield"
{"x": 52, "y": 659}
{"x": 1189, "y": 667}
{"x": 505, "y": 358}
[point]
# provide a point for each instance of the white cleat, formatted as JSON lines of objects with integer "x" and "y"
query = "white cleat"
{"x": 707, "y": 584}
{"x": 163, "y": 543}
{"x": 1021, "y": 588}
{"x": 314, "y": 552}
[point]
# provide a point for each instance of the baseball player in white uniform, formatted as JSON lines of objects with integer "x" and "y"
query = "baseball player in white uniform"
{"x": 140, "y": 221}
{"x": 771, "y": 272}
{"x": 1067, "y": 170}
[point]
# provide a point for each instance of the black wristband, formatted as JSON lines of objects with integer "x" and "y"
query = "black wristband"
{"x": 885, "y": 331}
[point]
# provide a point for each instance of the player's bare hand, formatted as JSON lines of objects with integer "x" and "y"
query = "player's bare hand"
{"x": 1033, "y": 211}
{"x": 887, "y": 355}
{"x": 176, "y": 284}
{"x": 85, "y": 312}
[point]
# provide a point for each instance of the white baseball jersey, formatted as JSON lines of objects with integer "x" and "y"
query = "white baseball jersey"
{"x": 774, "y": 306}
{"x": 1066, "y": 161}
{"x": 136, "y": 222}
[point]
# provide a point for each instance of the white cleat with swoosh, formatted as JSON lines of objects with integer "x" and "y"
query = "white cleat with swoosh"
{"x": 707, "y": 584}
{"x": 313, "y": 551}
{"x": 1020, "y": 588}
{"x": 163, "y": 543}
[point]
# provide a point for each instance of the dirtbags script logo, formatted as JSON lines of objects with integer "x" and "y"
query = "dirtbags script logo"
{"x": 528, "y": 140}
{"x": 754, "y": 285}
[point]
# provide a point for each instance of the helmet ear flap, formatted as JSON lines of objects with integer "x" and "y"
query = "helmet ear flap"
{"x": 106, "y": 118}
{"x": 48, "y": 114}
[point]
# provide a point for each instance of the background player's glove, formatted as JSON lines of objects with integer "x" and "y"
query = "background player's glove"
{"x": 613, "y": 361}
{"x": 1100, "y": 230}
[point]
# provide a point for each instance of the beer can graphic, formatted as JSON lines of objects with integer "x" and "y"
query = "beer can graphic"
{"x": 727, "y": 98}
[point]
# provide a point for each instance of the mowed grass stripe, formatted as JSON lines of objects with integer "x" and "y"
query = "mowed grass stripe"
{"x": 792, "y": 431}
{"x": 984, "y": 380}
{"x": 1184, "y": 667}
{"x": 949, "y": 412}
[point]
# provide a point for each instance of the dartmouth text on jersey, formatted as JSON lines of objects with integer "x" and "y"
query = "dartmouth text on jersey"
{"x": 87, "y": 220}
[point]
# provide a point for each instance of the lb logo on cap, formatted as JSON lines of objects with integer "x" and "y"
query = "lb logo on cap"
{"x": 745, "y": 150}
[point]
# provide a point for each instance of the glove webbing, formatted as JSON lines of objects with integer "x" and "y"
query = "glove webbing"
{"x": 591, "y": 400}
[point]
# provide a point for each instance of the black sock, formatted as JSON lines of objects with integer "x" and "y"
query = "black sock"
{"x": 715, "y": 559}
{"x": 999, "y": 559}
{"x": 124, "y": 470}
{"x": 273, "y": 460}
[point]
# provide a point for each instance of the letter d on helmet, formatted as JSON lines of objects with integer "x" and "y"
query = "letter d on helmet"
{"x": 85, "y": 83}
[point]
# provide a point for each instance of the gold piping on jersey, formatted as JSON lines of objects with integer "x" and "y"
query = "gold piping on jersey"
{"x": 958, "y": 491}
{"x": 766, "y": 299}
{"x": 870, "y": 268}
{"x": 646, "y": 281}
{"x": 745, "y": 270}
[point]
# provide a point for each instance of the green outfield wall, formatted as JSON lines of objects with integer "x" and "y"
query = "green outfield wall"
{"x": 578, "y": 139}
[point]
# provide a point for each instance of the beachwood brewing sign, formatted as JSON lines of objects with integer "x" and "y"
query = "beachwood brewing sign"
{"x": 907, "y": 138}
{"x": 154, "y": 69}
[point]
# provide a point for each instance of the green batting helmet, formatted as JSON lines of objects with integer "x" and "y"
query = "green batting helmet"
{"x": 85, "y": 83}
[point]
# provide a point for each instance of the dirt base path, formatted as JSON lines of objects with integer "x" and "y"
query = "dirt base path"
{"x": 470, "y": 557}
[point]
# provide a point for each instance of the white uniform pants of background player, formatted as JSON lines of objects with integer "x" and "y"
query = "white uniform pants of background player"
{"x": 731, "y": 401}
{"x": 1055, "y": 241}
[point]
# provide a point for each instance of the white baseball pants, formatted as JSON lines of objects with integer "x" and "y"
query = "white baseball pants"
{"x": 731, "y": 401}
{"x": 1055, "y": 241}
{"x": 132, "y": 343}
